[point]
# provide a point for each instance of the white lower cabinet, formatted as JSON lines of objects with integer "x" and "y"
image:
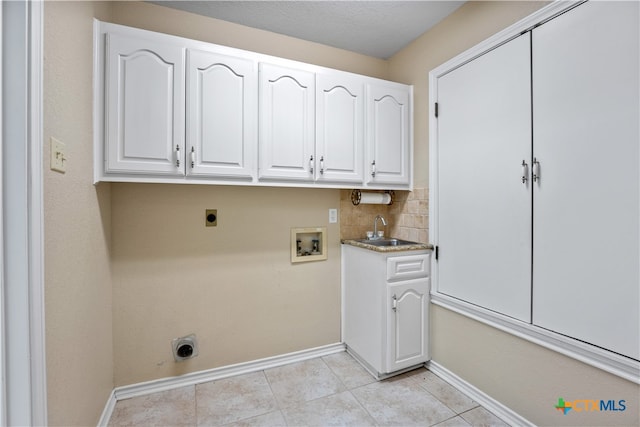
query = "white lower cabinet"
{"x": 385, "y": 308}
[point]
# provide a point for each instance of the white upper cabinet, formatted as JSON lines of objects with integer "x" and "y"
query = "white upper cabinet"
{"x": 286, "y": 123}
{"x": 145, "y": 115}
{"x": 173, "y": 110}
{"x": 388, "y": 137}
{"x": 221, "y": 115}
{"x": 339, "y": 128}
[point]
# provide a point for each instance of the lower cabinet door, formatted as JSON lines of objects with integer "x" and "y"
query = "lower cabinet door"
{"x": 407, "y": 326}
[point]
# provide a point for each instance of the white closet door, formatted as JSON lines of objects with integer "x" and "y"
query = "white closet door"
{"x": 484, "y": 209}
{"x": 586, "y": 218}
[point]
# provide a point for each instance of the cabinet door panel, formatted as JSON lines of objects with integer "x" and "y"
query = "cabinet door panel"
{"x": 145, "y": 107}
{"x": 287, "y": 123}
{"x": 388, "y": 135}
{"x": 407, "y": 326}
{"x": 340, "y": 128}
{"x": 484, "y": 209}
{"x": 221, "y": 99}
{"x": 586, "y": 137}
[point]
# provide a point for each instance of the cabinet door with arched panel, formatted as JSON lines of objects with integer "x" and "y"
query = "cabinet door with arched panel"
{"x": 388, "y": 135}
{"x": 144, "y": 113}
{"x": 286, "y": 123}
{"x": 221, "y": 115}
{"x": 339, "y": 127}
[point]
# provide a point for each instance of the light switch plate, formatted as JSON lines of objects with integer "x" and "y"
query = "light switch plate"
{"x": 58, "y": 161}
{"x": 333, "y": 216}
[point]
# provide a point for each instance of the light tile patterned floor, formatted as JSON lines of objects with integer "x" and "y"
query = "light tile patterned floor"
{"x": 328, "y": 391}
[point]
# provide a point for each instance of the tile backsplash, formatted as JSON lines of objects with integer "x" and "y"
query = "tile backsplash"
{"x": 407, "y": 217}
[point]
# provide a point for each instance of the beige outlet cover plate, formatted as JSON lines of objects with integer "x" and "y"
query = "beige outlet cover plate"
{"x": 211, "y": 218}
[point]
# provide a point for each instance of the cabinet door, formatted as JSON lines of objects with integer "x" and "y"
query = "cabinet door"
{"x": 484, "y": 209}
{"x": 339, "y": 128}
{"x": 287, "y": 123}
{"x": 221, "y": 109}
{"x": 388, "y": 134}
{"x": 145, "y": 110}
{"x": 586, "y": 138}
{"x": 407, "y": 326}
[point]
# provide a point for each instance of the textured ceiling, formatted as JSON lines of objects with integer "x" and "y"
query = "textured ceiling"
{"x": 374, "y": 28}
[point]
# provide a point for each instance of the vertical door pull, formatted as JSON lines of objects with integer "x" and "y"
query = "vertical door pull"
{"x": 373, "y": 168}
{"x": 536, "y": 170}
{"x": 321, "y": 165}
{"x": 193, "y": 157}
{"x": 311, "y": 164}
{"x": 177, "y": 156}
{"x": 394, "y": 303}
{"x": 525, "y": 173}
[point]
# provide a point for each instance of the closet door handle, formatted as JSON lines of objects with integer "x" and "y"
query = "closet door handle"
{"x": 193, "y": 157}
{"x": 177, "y": 156}
{"x": 536, "y": 170}
{"x": 394, "y": 303}
{"x": 373, "y": 168}
{"x": 311, "y": 164}
{"x": 525, "y": 172}
{"x": 321, "y": 165}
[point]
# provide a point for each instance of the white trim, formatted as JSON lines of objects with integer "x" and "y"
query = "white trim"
{"x": 25, "y": 398}
{"x": 3, "y": 368}
{"x": 193, "y": 378}
{"x": 36, "y": 217}
{"x": 108, "y": 410}
{"x": 613, "y": 363}
{"x": 492, "y": 405}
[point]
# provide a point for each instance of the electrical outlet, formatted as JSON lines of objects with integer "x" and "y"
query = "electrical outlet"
{"x": 333, "y": 216}
{"x": 211, "y": 218}
{"x": 58, "y": 161}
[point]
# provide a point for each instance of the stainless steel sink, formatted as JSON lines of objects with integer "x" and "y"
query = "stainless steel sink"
{"x": 387, "y": 242}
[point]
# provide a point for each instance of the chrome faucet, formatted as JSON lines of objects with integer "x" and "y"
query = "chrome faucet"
{"x": 375, "y": 225}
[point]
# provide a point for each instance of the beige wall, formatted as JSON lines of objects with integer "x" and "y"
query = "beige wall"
{"x": 162, "y": 19}
{"x": 77, "y": 232}
{"x": 527, "y": 378}
{"x": 131, "y": 266}
{"x": 233, "y": 286}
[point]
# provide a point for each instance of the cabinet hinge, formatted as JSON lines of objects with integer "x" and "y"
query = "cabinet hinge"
{"x": 436, "y": 109}
{"x": 437, "y": 252}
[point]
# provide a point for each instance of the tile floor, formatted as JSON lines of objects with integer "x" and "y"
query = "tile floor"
{"x": 327, "y": 391}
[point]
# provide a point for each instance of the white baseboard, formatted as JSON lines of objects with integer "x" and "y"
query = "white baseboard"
{"x": 108, "y": 410}
{"x": 492, "y": 405}
{"x": 163, "y": 384}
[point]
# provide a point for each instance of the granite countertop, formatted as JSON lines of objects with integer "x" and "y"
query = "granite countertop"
{"x": 400, "y": 248}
